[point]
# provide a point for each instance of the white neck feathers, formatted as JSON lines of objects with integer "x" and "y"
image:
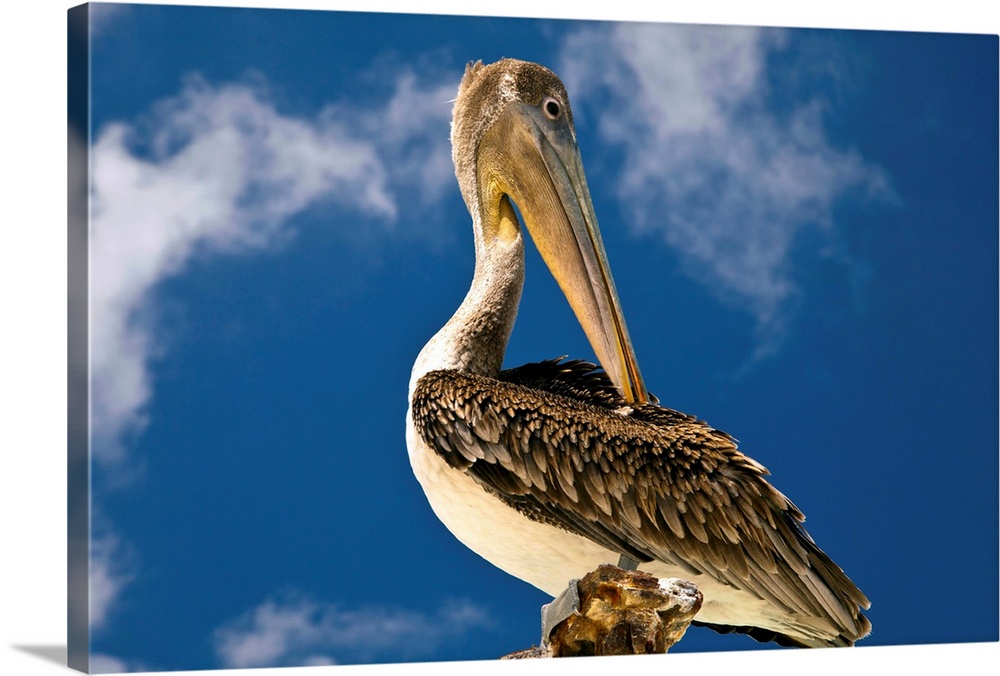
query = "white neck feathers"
{"x": 475, "y": 338}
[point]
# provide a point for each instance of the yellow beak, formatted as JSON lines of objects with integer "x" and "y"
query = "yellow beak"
{"x": 542, "y": 172}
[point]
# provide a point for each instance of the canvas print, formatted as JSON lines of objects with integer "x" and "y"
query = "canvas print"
{"x": 753, "y": 272}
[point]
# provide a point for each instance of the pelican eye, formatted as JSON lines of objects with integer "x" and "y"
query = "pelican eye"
{"x": 552, "y": 108}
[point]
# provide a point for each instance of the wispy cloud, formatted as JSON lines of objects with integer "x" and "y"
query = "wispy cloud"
{"x": 411, "y": 136}
{"x": 709, "y": 165}
{"x": 103, "y": 16}
{"x": 101, "y": 663}
{"x": 113, "y": 566}
{"x": 219, "y": 170}
{"x": 296, "y": 630}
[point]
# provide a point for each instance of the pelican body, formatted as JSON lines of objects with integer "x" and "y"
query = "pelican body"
{"x": 551, "y": 469}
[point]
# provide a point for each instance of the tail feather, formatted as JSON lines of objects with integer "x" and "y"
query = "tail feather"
{"x": 762, "y": 635}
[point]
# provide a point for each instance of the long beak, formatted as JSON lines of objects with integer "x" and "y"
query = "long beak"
{"x": 549, "y": 187}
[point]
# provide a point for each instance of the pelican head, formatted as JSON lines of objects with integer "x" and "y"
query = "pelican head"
{"x": 513, "y": 141}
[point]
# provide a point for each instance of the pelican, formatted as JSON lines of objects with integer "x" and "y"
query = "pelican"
{"x": 551, "y": 469}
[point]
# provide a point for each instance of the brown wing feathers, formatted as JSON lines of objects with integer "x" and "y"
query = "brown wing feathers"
{"x": 555, "y": 441}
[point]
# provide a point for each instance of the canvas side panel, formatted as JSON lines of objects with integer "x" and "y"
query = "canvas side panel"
{"x": 78, "y": 375}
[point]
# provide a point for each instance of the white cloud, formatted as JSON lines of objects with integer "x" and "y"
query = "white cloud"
{"x": 219, "y": 170}
{"x": 101, "y": 663}
{"x": 708, "y": 166}
{"x": 112, "y": 568}
{"x": 412, "y": 129}
{"x": 103, "y": 15}
{"x": 296, "y": 630}
{"x": 107, "y": 664}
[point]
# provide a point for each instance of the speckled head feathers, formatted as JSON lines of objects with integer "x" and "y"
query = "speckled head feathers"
{"x": 486, "y": 90}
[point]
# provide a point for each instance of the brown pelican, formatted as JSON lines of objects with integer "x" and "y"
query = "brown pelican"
{"x": 551, "y": 469}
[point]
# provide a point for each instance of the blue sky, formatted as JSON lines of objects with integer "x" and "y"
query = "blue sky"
{"x": 802, "y": 227}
